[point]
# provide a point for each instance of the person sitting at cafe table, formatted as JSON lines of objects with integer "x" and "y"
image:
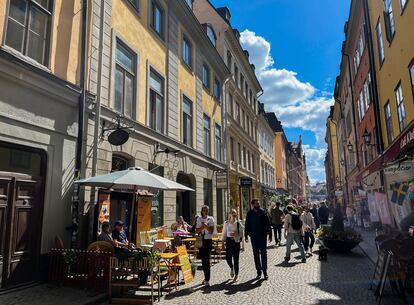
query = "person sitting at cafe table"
{"x": 106, "y": 233}
{"x": 118, "y": 235}
{"x": 181, "y": 225}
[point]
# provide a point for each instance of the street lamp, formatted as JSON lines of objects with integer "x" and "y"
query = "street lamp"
{"x": 367, "y": 138}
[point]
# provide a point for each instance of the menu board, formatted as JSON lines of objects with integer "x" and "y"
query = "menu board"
{"x": 144, "y": 213}
{"x": 104, "y": 207}
{"x": 185, "y": 264}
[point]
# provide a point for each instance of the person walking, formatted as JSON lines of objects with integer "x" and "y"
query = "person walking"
{"x": 231, "y": 238}
{"x": 206, "y": 227}
{"x": 314, "y": 211}
{"x": 323, "y": 214}
{"x": 258, "y": 228}
{"x": 276, "y": 216}
{"x": 308, "y": 228}
{"x": 293, "y": 232}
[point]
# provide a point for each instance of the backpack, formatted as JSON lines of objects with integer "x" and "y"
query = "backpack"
{"x": 296, "y": 222}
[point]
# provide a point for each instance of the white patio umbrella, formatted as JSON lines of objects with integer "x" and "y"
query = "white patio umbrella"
{"x": 132, "y": 179}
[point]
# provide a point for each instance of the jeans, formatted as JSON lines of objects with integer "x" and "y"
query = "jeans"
{"x": 277, "y": 229}
{"x": 205, "y": 253}
{"x": 260, "y": 254}
{"x": 298, "y": 240}
{"x": 233, "y": 254}
{"x": 308, "y": 235}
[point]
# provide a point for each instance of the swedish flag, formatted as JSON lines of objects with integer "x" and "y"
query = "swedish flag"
{"x": 399, "y": 192}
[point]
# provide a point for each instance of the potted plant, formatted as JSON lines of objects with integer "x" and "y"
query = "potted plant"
{"x": 193, "y": 267}
{"x": 337, "y": 237}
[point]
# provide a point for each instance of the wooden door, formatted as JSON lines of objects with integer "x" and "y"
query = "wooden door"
{"x": 21, "y": 207}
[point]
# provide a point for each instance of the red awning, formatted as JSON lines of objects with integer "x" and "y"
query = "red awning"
{"x": 373, "y": 167}
{"x": 404, "y": 143}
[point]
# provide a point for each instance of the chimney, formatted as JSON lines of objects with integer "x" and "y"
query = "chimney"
{"x": 224, "y": 12}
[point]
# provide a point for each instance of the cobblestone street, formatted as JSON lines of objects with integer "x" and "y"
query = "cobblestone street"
{"x": 343, "y": 279}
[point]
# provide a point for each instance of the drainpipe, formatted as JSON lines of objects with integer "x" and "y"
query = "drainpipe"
{"x": 224, "y": 120}
{"x": 81, "y": 120}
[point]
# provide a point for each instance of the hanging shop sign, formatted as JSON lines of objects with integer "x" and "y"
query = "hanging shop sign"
{"x": 104, "y": 199}
{"x": 221, "y": 180}
{"x": 246, "y": 182}
{"x": 397, "y": 180}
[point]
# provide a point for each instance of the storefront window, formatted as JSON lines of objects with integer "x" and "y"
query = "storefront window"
{"x": 157, "y": 208}
{"x": 119, "y": 163}
{"x": 20, "y": 161}
{"x": 208, "y": 194}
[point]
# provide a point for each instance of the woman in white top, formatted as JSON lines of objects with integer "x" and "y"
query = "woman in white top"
{"x": 206, "y": 227}
{"x": 232, "y": 235}
{"x": 308, "y": 228}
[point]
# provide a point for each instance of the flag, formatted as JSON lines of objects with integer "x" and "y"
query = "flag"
{"x": 399, "y": 192}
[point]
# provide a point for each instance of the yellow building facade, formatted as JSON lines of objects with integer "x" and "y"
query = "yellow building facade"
{"x": 155, "y": 70}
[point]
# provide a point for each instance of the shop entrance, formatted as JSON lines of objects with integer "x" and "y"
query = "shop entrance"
{"x": 186, "y": 201}
{"x": 21, "y": 210}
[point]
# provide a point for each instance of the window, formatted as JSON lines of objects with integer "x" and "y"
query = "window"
{"x": 240, "y": 153}
{"x": 367, "y": 97}
{"x": 243, "y": 124}
{"x": 208, "y": 193}
{"x": 229, "y": 59}
{"x": 241, "y": 85}
{"x": 231, "y": 107}
{"x": 157, "y": 208}
{"x": 157, "y": 18}
{"x": 28, "y": 28}
{"x": 231, "y": 149}
{"x": 216, "y": 89}
{"x": 238, "y": 112}
{"x": 412, "y": 77}
{"x": 186, "y": 52}
{"x": 206, "y": 77}
{"x": 250, "y": 98}
{"x": 211, "y": 35}
{"x": 189, "y": 3}
{"x": 207, "y": 135}
{"x": 217, "y": 143}
{"x": 246, "y": 90}
{"x": 389, "y": 20}
{"x": 402, "y": 4}
{"x": 156, "y": 117}
{"x": 388, "y": 123}
{"x": 124, "y": 80}
{"x": 362, "y": 103}
{"x": 359, "y": 110}
{"x": 187, "y": 122}
{"x": 236, "y": 74}
{"x": 248, "y": 160}
{"x": 380, "y": 43}
{"x": 400, "y": 107}
{"x": 134, "y": 3}
{"x": 253, "y": 165}
{"x": 244, "y": 157}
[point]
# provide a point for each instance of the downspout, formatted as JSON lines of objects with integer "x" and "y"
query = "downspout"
{"x": 227, "y": 160}
{"x": 81, "y": 120}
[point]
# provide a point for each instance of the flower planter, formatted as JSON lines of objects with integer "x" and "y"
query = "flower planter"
{"x": 342, "y": 246}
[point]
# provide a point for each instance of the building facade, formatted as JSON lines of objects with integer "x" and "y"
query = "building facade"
{"x": 40, "y": 72}
{"x": 332, "y": 159}
{"x": 267, "y": 158}
{"x": 241, "y": 93}
{"x": 296, "y": 171}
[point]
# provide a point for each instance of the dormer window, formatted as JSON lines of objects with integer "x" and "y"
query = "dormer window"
{"x": 211, "y": 34}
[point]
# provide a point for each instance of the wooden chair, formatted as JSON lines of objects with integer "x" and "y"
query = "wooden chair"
{"x": 102, "y": 246}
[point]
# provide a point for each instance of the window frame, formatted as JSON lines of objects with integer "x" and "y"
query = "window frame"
{"x": 388, "y": 122}
{"x": 207, "y": 118}
{"x": 218, "y": 141}
{"x": 380, "y": 43}
{"x": 210, "y": 30}
{"x": 157, "y": 93}
{"x": 403, "y": 6}
{"x": 49, "y": 11}
{"x": 207, "y": 85}
{"x": 134, "y": 4}
{"x": 119, "y": 41}
{"x": 156, "y": 5}
{"x": 402, "y": 120}
{"x": 188, "y": 43}
{"x": 411, "y": 73}
{"x": 216, "y": 84}
{"x": 231, "y": 149}
{"x": 184, "y": 115}
{"x": 389, "y": 20}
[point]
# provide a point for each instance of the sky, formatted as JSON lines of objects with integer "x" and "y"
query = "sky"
{"x": 296, "y": 48}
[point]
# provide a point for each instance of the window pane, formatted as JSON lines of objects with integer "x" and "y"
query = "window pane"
{"x": 37, "y": 35}
{"x": 157, "y": 19}
{"x": 412, "y": 74}
{"x": 18, "y": 11}
{"x": 129, "y": 95}
{"x": 14, "y": 36}
{"x": 156, "y": 82}
{"x": 187, "y": 107}
{"x": 44, "y": 3}
{"x": 119, "y": 88}
{"x": 159, "y": 110}
{"x": 125, "y": 58}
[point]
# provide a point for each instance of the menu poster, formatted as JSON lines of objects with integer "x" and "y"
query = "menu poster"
{"x": 185, "y": 264}
{"x": 144, "y": 213}
{"x": 372, "y": 208}
{"x": 104, "y": 207}
{"x": 382, "y": 208}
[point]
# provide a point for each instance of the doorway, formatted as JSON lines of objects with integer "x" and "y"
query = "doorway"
{"x": 186, "y": 201}
{"x": 21, "y": 212}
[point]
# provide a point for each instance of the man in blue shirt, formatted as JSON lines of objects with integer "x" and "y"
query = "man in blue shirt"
{"x": 258, "y": 227}
{"x": 119, "y": 236}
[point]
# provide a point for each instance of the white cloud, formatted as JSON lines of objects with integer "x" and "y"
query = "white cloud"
{"x": 296, "y": 103}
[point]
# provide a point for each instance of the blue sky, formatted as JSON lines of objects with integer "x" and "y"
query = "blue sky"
{"x": 295, "y": 45}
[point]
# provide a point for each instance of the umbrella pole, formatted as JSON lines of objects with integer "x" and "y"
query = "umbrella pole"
{"x": 131, "y": 216}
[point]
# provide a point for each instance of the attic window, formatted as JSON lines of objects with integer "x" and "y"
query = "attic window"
{"x": 211, "y": 35}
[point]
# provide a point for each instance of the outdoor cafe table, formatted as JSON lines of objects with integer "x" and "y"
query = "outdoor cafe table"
{"x": 168, "y": 259}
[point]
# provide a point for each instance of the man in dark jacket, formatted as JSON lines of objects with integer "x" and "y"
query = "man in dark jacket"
{"x": 323, "y": 213}
{"x": 258, "y": 228}
{"x": 314, "y": 211}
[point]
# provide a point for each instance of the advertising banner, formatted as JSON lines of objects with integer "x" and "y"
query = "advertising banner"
{"x": 373, "y": 208}
{"x": 185, "y": 264}
{"x": 104, "y": 207}
{"x": 397, "y": 182}
{"x": 382, "y": 208}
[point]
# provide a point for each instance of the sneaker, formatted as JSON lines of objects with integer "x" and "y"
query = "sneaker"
{"x": 287, "y": 258}
{"x": 203, "y": 282}
{"x": 259, "y": 275}
{"x": 311, "y": 251}
{"x": 235, "y": 278}
{"x": 232, "y": 273}
{"x": 303, "y": 260}
{"x": 266, "y": 277}
{"x": 206, "y": 284}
